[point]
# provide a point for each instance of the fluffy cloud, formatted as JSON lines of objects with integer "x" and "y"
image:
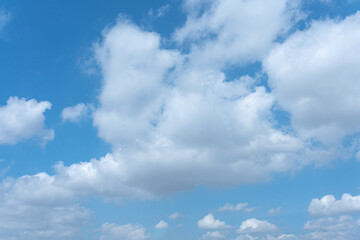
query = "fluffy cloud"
{"x": 230, "y": 207}
{"x": 161, "y": 225}
{"x": 234, "y": 32}
{"x": 328, "y": 205}
{"x": 253, "y": 225}
{"x": 314, "y": 76}
{"x": 213, "y": 235}
{"x": 111, "y": 231}
{"x": 75, "y": 113}
{"x": 168, "y": 118}
{"x": 209, "y": 222}
{"x": 35, "y": 207}
{"x": 333, "y": 228}
{"x": 22, "y": 119}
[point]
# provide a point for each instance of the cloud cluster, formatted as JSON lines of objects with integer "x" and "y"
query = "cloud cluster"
{"x": 111, "y": 231}
{"x": 21, "y": 119}
{"x": 328, "y": 205}
{"x": 34, "y": 207}
{"x": 314, "y": 76}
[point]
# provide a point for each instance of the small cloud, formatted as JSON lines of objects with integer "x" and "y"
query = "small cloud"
{"x": 174, "y": 215}
{"x": 274, "y": 211}
{"x": 253, "y": 225}
{"x": 161, "y": 225}
{"x": 4, "y": 18}
{"x": 250, "y": 209}
{"x": 76, "y": 113}
{"x": 213, "y": 235}
{"x": 209, "y": 222}
{"x": 160, "y": 12}
{"x": 230, "y": 207}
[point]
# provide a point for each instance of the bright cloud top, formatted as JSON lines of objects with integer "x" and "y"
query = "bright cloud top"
{"x": 254, "y": 225}
{"x": 22, "y": 119}
{"x": 317, "y": 81}
{"x": 209, "y": 222}
{"x": 76, "y": 113}
{"x": 328, "y": 205}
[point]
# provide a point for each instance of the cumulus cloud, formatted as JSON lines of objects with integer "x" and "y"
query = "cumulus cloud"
{"x": 21, "y": 119}
{"x": 328, "y": 205}
{"x": 161, "y": 225}
{"x": 35, "y": 207}
{"x": 254, "y": 225}
{"x": 213, "y": 235}
{"x": 209, "y": 222}
{"x": 333, "y": 228}
{"x": 76, "y": 113}
{"x": 231, "y": 207}
{"x": 167, "y": 117}
{"x": 234, "y": 32}
{"x": 111, "y": 231}
{"x": 314, "y": 76}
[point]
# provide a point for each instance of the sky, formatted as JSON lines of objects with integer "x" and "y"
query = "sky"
{"x": 180, "y": 119}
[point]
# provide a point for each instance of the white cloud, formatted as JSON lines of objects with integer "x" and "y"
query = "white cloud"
{"x": 167, "y": 118}
{"x": 328, "y": 205}
{"x": 22, "y": 119}
{"x": 209, "y": 222}
{"x": 174, "y": 215}
{"x": 161, "y": 225}
{"x": 213, "y": 235}
{"x": 314, "y": 76}
{"x": 232, "y": 31}
{"x": 111, "y": 231}
{"x": 273, "y": 211}
{"x": 35, "y": 207}
{"x": 76, "y": 113}
{"x": 253, "y": 225}
{"x": 4, "y": 18}
{"x": 231, "y": 207}
{"x": 333, "y": 228}
{"x": 250, "y": 209}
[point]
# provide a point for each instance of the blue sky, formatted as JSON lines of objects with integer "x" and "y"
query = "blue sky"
{"x": 175, "y": 119}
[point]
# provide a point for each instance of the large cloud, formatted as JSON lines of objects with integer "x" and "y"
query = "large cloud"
{"x": 315, "y": 75}
{"x": 234, "y": 32}
{"x": 22, "y": 119}
{"x": 328, "y": 205}
{"x": 36, "y": 207}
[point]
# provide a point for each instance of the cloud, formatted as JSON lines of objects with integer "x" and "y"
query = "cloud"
{"x": 209, "y": 222}
{"x": 4, "y": 18}
{"x": 22, "y": 119}
{"x": 76, "y": 113}
{"x": 234, "y": 32}
{"x": 161, "y": 225}
{"x": 273, "y": 211}
{"x": 111, "y": 231}
{"x": 333, "y": 228}
{"x": 213, "y": 235}
{"x": 167, "y": 118}
{"x": 253, "y": 225}
{"x": 328, "y": 205}
{"x": 230, "y": 207}
{"x": 174, "y": 215}
{"x": 316, "y": 81}
{"x": 34, "y": 207}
